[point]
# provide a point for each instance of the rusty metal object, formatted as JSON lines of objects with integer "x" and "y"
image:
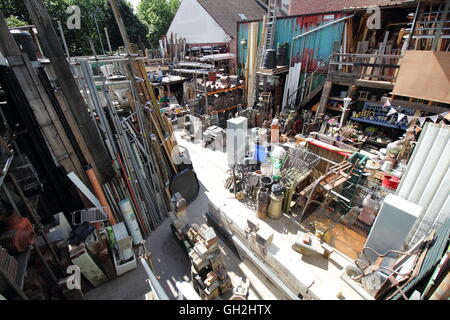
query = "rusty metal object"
{"x": 9, "y": 264}
{"x": 17, "y": 240}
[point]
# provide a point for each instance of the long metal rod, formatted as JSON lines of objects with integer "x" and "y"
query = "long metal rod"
{"x": 99, "y": 35}
{"x": 322, "y": 27}
{"x": 107, "y": 39}
{"x": 88, "y": 77}
{"x": 441, "y": 25}
{"x": 63, "y": 39}
{"x": 413, "y": 27}
{"x": 159, "y": 291}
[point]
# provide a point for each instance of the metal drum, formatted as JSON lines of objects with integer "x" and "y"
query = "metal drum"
{"x": 262, "y": 203}
{"x": 275, "y": 206}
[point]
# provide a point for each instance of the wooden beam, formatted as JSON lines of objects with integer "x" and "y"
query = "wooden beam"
{"x": 39, "y": 102}
{"x": 324, "y": 99}
{"x": 374, "y": 84}
{"x": 75, "y": 101}
{"x": 121, "y": 25}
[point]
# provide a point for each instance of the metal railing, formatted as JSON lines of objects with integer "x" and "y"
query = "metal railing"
{"x": 306, "y": 88}
{"x": 376, "y": 67}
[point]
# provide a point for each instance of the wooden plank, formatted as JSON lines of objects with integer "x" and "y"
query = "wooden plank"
{"x": 424, "y": 75}
{"x": 54, "y": 51}
{"x": 381, "y": 51}
{"x": 374, "y": 84}
{"x": 39, "y": 102}
{"x": 324, "y": 98}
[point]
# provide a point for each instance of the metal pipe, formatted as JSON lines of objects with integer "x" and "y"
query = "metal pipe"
{"x": 63, "y": 39}
{"x": 107, "y": 39}
{"x": 99, "y": 193}
{"x": 99, "y": 35}
{"x": 159, "y": 291}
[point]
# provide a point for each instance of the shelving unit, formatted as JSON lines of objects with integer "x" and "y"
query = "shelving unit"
{"x": 379, "y": 113}
{"x": 225, "y": 90}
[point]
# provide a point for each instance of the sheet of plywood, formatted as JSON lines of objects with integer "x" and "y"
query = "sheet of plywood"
{"x": 344, "y": 239}
{"x": 424, "y": 75}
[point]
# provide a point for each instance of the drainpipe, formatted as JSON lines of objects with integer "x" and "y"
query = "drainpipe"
{"x": 99, "y": 193}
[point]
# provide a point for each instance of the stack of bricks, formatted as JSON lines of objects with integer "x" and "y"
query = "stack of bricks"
{"x": 261, "y": 236}
{"x": 9, "y": 264}
{"x": 208, "y": 270}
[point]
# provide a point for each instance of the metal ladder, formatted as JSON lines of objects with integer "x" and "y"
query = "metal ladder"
{"x": 268, "y": 38}
{"x": 270, "y": 25}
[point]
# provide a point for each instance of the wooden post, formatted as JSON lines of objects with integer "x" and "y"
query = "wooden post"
{"x": 75, "y": 101}
{"x": 324, "y": 99}
{"x": 39, "y": 102}
{"x": 119, "y": 21}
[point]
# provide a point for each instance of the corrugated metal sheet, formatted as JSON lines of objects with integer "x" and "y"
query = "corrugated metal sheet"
{"x": 432, "y": 258}
{"x": 309, "y": 50}
{"x": 426, "y": 180}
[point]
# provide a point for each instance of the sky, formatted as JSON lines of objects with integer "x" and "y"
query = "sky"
{"x": 134, "y": 3}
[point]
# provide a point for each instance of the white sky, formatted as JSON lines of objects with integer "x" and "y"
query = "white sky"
{"x": 134, "y": 3}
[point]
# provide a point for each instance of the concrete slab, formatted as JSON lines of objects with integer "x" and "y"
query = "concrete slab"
{"x": 301, "y": 273}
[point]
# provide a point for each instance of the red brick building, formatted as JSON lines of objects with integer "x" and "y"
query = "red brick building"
{"x": 297, "y": 7}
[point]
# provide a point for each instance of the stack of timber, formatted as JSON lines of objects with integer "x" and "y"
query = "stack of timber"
{"x": 117, "y": 154}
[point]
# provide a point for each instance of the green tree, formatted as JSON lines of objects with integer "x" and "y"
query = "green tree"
{"x": 91, "y": 10}
{"x": 158, "y": 15}
{"x": 13, "y": 21}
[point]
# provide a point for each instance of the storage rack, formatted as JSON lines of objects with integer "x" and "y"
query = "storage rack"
{"x": 379, "y": 116}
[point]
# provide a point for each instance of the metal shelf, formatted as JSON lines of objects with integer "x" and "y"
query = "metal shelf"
{"x": 378, "y": 123}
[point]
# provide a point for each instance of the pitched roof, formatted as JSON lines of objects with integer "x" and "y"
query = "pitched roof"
{"x": 319, "y": 6}
{"x": 226, "y": 12}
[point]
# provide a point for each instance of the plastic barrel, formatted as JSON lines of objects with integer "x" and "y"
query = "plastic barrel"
{"x": 269, "y": 61}
{"x": 281, "y": 56}
{"x": 130, "y": 221}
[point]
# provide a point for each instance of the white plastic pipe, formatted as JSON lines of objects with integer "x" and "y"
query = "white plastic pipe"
{"x": 154, "y": 283}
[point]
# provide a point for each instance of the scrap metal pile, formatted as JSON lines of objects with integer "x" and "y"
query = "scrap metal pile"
{"x": 269, "y": 187}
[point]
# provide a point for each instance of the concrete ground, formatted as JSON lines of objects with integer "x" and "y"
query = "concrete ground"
{"x": 172, "y": 263}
